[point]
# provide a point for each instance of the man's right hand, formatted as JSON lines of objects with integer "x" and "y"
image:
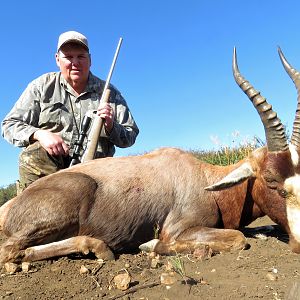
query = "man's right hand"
{"x": 51, "y": 142}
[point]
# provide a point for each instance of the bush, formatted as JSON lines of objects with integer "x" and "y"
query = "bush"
{"x": 6, "y": 193}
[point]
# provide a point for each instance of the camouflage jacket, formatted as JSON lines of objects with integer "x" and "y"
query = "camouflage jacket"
{"x": 49, "y": 102}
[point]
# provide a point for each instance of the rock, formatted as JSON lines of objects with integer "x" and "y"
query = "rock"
{"x": 261, "y": 236}
{"x": 11, "y": 267}
{"x": 84, "y": 270}
{"x": 100, "y": 262}
{"x": 154, "y": 263}
{"x": 26, "y": 266}
{"x": 122, "y": 281}
{"x": 272, "y": 276}
{"x": 274, "y": 270}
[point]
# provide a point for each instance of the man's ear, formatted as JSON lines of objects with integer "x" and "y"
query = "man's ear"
{"x": 57, "y": 59}
{"x": 90, "y": 59}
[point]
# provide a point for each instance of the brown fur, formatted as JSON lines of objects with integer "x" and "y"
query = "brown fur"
{"x": 120, "y": 202}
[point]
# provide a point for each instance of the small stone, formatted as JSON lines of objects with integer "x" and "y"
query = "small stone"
{"x": 122, "y": 281}
{"x": 154, "y": 263}
{"x": 11, "y": 267}
{"x": 8, "y": 293}
{"x": 272, "y": 276}
{"x": 84, "y": 270}
{"x": 26, "y": 266}
{"x": 261, "y": 236}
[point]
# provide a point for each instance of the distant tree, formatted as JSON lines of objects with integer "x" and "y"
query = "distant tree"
{"x": 8, "y": 192}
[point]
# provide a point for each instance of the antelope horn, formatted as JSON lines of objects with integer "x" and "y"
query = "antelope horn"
{"x": 274, "y": 130}
{"x": 295, "y": 76}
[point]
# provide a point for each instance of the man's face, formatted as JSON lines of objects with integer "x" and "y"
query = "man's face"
{"x": 74, "y": 63}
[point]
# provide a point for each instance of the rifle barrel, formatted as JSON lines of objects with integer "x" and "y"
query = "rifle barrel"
{"x": 112, "y": 67}
{"x": 97, "y": 123}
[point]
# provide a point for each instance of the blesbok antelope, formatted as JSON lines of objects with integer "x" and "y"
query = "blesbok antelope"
{"x": 112, "y": 205}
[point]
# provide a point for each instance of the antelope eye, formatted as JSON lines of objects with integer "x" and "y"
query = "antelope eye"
{"x": 271, "y": 182}
{"x": 282, "y": 193}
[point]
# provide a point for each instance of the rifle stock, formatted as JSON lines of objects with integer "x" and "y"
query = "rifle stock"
{"x": 93, "y": 137}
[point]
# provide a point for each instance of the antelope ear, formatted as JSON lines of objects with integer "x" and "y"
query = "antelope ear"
{"x": 235, "y": 177}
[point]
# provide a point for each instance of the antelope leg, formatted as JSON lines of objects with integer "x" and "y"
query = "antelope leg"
{"x": 78, "y": 244}
{"x": 13, "y": 251}
{"x": 196, "y": 237}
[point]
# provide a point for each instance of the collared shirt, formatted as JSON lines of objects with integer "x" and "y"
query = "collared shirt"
{"x": 49, "y": 102}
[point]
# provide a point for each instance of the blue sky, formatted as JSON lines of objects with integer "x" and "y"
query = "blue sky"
{"x": 174, "y": 67}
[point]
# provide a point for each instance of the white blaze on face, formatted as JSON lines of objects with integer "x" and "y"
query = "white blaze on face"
{"x": 292, "y": 186}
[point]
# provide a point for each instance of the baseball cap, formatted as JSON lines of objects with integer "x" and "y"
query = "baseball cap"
{"x": 72, "y": 36}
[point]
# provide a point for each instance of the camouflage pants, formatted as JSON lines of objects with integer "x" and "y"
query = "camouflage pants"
{"x": 35, "y": 162}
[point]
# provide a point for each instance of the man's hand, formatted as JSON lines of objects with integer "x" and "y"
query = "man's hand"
{"x": 106, "y": 112}
{"x": 51, "y": 142}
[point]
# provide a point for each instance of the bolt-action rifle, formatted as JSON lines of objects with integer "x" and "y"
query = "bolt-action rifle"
{"x": 97, "y": 123}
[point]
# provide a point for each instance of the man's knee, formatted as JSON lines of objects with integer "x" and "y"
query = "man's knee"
{"x": 34, "y": 163}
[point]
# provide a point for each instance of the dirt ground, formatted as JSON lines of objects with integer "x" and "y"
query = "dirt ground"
{"x": 268, "y": 270}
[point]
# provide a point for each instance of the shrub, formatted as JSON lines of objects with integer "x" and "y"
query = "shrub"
{"x": 6, "y": 193}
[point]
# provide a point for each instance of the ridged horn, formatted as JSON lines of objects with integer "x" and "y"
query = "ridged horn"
{"x": 274, "y": 130}
{"x": 295, "y": 76}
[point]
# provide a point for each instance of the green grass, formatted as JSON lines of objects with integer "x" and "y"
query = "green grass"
{"x": 228, "y": 155}
{"x": 177, "y": 265}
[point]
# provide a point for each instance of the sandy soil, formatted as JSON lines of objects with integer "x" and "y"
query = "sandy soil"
{"x": 268, "y": 270}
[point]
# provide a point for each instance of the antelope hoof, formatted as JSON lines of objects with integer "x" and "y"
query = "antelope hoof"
{"x": 149, "y": 246}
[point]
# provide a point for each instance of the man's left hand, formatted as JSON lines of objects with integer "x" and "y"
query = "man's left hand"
{"x": 107, "y": 114}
